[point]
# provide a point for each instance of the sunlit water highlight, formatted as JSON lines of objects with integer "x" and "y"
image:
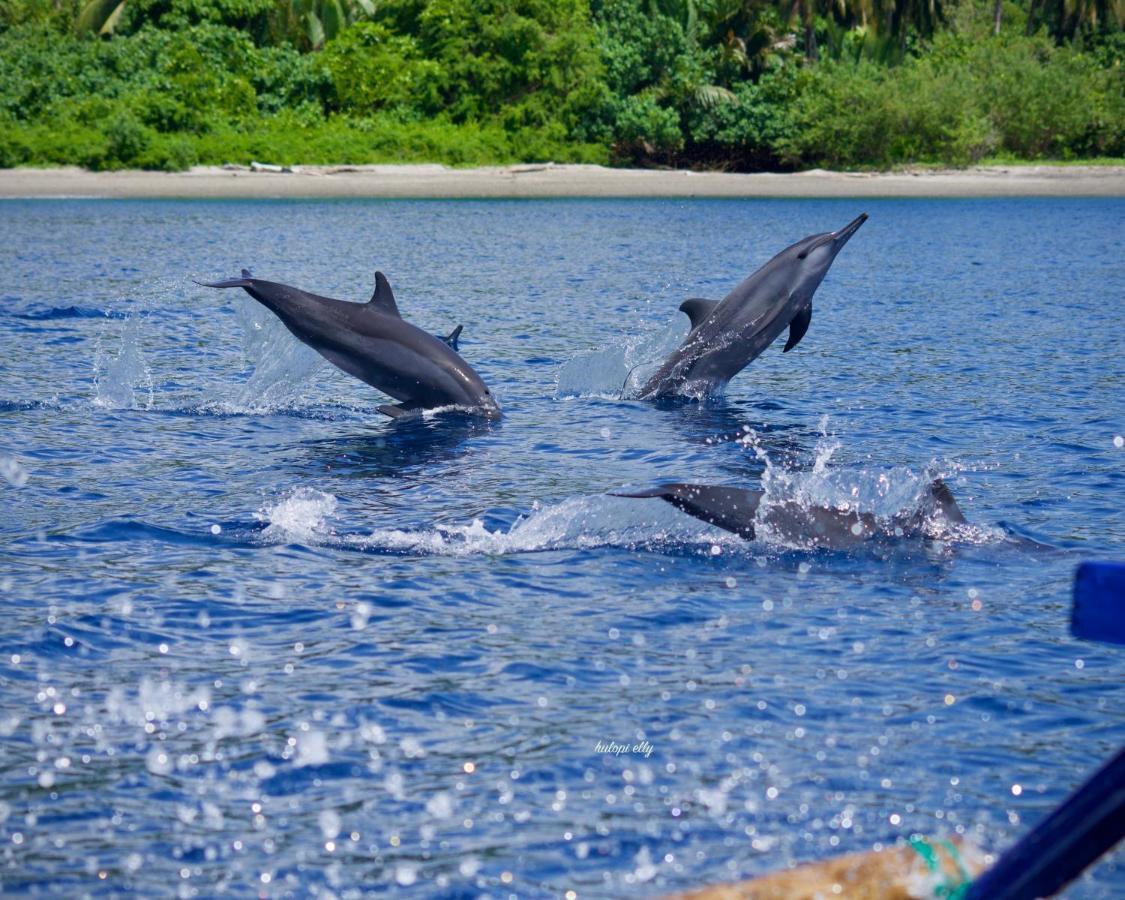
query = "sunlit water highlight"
{"x": 260, "y": 639}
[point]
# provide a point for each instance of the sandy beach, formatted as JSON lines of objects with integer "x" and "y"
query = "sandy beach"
{"x": 550, "y": 180}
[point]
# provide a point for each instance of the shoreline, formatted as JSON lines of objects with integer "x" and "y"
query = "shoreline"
{"x": 544, "y": 180}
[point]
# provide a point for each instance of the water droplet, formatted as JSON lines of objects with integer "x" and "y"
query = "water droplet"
{"x": 406, "y": 875}
{"x": 329, "y": 821}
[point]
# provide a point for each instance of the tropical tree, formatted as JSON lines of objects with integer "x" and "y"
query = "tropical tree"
{"x": 311, "y": 23}
{"x": 897, "y": 18}
{"x": 1066, "y": 19}
{"x": 99, "y": 16}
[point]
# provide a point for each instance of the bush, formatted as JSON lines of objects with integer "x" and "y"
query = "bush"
{"x": 372, "y": 69}
{"x": 644, "y": 128}
{"x": 248, "y": 16}
{"x": 1048, "y": 102}
{"x": 749, "y": 129}
{"x": 867, "y": 115}
{"x": 533, "y": 62}
{"x": 958, "y": 103}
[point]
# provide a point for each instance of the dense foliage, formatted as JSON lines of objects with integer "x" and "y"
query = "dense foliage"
{"x": 743, "y": 84}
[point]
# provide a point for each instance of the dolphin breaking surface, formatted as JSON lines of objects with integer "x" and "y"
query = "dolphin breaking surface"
{"x": 727, "y": 335}
{"x": 372, "y": 342}
{"x": 744, "y": 513}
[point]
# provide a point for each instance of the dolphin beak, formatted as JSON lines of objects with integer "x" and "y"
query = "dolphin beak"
{"x": 841, "y": 237}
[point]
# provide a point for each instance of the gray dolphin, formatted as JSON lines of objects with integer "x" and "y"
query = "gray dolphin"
{"x": 726, "y": 336}
{"x": 372, "y": 342}
{"x": 740, "y": 511}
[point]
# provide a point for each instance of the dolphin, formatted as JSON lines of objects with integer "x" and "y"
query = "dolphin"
{"x": 727, "y": 335}
{"x": 372, "y": 342}
{"x": 741, "y": 511}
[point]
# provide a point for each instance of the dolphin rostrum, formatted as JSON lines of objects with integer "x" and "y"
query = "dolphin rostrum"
{"x": 372, "y": 342}
{"x": 727, "y": 335}
{"x": 741, "y": 511}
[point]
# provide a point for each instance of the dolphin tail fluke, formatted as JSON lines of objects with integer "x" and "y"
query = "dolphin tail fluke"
{"x": 242, "y": 282}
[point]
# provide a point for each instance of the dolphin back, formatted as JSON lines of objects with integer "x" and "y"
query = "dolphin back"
{"x": 737, "y": 510}
{"x": 732, "y": 509}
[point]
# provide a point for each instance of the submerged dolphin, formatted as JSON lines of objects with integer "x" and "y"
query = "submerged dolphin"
{"x": 726, "y": 336}
{"x": 375, "y": 344}
{"x": 740, "y": 511}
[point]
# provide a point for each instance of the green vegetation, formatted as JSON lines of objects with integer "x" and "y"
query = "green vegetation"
{"x": 740, "y": 84}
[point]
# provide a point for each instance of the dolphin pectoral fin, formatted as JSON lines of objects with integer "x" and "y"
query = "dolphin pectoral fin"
{"x": 384, "y": 298}
{"x": 398, "y": 410}
{"x": 451, "y": 340}
{"x": 798, "y": 327}
{"x": 697, "y": 309}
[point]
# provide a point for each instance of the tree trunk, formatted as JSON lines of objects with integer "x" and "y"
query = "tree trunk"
{"x": 810, "y": 32}
{"x": 996, "y": 13}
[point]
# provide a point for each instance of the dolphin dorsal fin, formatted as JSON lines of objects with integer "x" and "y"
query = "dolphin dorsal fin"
{"x": 797, "y": 328}
{"x": 698, "y": 309}
{"x": 384, "y": 298}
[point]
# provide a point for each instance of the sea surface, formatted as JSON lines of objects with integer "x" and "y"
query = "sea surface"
{"x": 259, "y": 640}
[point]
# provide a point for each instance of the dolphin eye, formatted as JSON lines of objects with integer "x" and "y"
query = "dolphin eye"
{"x": 803, "y": 254}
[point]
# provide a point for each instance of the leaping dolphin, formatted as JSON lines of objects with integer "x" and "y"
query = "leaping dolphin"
{"x": 740, "y": 511}
{"x": 372, "y": 342}
{"x": 726, "y": 336}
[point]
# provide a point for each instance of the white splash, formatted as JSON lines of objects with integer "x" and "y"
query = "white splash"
{"x": 12, "y": 471}
{"x": 280, "y": 363}
{"x": 301, "y": 515}
{"x": 118, "y": 377}
{"x": 619, "y": 371}
{"x": 882, "y": 492}
{"x": 577, "y": 523}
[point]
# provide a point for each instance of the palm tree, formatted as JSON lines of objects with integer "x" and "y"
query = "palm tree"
{"x": 807, "y": 11}
{"x": 898, "y": 17}
{"x": 99, "y": 16}
{"x": 1066, "y": 18}
{"x": 315, "y": 22}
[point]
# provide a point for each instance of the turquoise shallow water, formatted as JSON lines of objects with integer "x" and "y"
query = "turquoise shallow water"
{"x": 259, "y": 639}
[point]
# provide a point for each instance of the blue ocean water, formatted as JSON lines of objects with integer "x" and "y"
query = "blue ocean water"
{"x": 260, "y": 640}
